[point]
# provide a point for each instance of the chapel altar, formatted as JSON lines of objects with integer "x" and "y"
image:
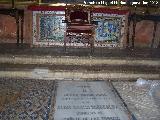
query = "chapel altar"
{"x": 49, "y": 28}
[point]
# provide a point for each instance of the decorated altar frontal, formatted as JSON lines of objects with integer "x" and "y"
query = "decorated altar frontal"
{"x": 50, "y": 30}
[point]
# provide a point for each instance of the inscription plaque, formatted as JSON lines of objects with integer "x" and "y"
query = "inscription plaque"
{"x": 83, "y": 100}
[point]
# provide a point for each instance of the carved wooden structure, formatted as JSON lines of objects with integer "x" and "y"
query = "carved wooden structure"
{"x": 79, "y": 27}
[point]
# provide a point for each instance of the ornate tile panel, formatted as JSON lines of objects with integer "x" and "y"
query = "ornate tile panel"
{"x": 51, "y": 28}
{"x": 48, "y": 28}
{"x": 110, "y": 30}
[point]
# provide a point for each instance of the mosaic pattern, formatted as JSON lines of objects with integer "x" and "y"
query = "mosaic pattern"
{"x": 110, "y": 30}
{"x": 51, "y": 28}
{"x": 48, "y": 28}
{"x": 25, "y": 99}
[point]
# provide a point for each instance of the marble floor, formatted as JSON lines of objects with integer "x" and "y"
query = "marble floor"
{"x": 142, "y": 99}
{"x": 25, "y": 99}
{"x": 28, "y": 99}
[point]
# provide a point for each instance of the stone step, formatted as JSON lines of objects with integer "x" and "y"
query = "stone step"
{"x": 74, "y": 67}
{"x": 100, "y": 68}
{"x": 74, "y": 60}
{"x": 7, "y": 49}
{"x": 48, "y": 74}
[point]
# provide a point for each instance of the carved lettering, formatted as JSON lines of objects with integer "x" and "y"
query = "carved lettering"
{"x": 87, "y": 101}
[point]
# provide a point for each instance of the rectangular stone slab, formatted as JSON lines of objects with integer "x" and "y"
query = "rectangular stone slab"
{"x": 83, "y": 100}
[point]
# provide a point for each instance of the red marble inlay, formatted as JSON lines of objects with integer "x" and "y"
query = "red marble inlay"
{"x": 62, "y": 8}
{"x": 46, "y": 8}
{"x": 110, "y": 11}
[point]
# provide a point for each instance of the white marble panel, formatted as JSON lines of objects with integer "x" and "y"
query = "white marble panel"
{"x": 82, "y": 100}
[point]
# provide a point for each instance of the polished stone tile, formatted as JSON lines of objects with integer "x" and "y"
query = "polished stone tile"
{"x": 88, "y": 100}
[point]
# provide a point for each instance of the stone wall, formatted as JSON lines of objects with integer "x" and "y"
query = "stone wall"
{"x": 144, "y": 34}
{"x": 8, "y": 28}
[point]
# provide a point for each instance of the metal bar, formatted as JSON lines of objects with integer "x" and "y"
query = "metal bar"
{"x": 154, "y": 33}
{"x": 17, "y": 22}
{"x": 13, "y": 4}
{"x": 134, "y": 27}
{"x": 22, "y": 22}
{"x": 128, "y": 32}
